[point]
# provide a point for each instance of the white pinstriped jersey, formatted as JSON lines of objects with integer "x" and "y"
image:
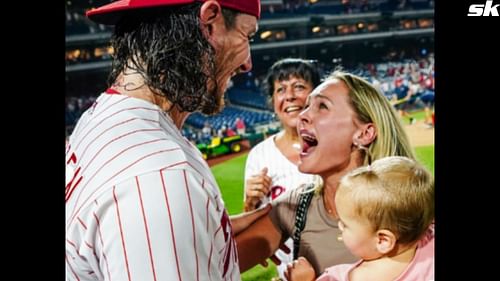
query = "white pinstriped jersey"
{"x": 141, "y": 203}
{"x": 285, "y": 176}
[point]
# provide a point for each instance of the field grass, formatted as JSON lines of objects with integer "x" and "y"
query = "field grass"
{"x": 418, "y": 115}
{"x": 229, "y": 176}
{"x": 425, "y": 154}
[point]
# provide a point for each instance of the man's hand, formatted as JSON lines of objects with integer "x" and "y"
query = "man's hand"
{"x": 256, "y": 188}
{"x": 300, "y": 270}
{"x": 241, "y": 221}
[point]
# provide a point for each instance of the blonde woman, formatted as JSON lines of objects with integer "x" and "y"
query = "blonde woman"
{"x": 345, "y": 122}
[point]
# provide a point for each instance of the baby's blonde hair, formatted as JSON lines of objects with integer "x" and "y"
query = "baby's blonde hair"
{"x": 393, "y": 193}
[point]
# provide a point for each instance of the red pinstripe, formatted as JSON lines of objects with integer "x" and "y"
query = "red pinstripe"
{"x": 206, "y": 210}
{"x": 228, "y": 249}
{"x": 74, "y": 245}
{"x": 90, "y": 247}
{"x": 223, "y": 249}
{"x": 183, "y": 162}
{"x": 218, "y": 228}
{"x": 81, "y": 222}
{"x": 108, "y": 117}
{"x": 226, "y": 262}
{"x": 70, "y": 267}
{"x": 102, "y": 243}
{"x": 95, "y": 116}
{"x": 121, "y": 232}
{"x": 146, "y": 228}
{"x": 89, "y": 144}
{"x": 210, "y": 260}
{"x": 70, "y": 187}
{"x": 106, "y": 163}
{"x": 206, "y": 207}
{"x": 103, "y": 103}
{"x": 115, "y": 139}
{"x": 171, "y": 226}
{"x": 75, "y": 211}
{"x": 192, "y": 223}
{"x": 71, "y": 242}
{"x": 109, "y": 97}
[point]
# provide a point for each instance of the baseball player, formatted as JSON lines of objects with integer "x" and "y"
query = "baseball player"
{"x": 141, "y": 203}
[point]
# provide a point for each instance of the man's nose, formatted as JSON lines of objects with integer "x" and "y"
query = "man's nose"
{"x": 247, "y": 65}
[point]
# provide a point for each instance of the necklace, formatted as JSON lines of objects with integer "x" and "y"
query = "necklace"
{"x": 327, "y": 207}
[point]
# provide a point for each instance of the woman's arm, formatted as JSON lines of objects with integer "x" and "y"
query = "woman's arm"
{"x": 257, "y": 242}
{"x": 241, "y": 221}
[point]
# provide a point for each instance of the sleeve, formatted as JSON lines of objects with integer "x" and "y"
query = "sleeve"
{"x": 336, "y": 273}
{"x": 164, "y": 225}
{"x": 282, "y": 213}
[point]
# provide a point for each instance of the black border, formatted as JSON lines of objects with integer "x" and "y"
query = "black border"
{"x": 467, "y": 100}
{"x": 33, "y": 96}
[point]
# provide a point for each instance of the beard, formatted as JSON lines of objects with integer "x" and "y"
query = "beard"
{"x": 218, "y": 81}
{"x": 211, "y": 106}
{"x": 213, "y": 102}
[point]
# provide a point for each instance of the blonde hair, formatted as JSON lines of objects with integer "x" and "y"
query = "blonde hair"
{"x": 371, "y": 106}
{"x": 394, "y": 193}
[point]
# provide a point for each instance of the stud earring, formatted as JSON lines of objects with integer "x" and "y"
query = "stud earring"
{"x": 340, "y": 238}
{"x": 365, "y": 150}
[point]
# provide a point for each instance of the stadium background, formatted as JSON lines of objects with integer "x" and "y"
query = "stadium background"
{"x": 386, "y": 41}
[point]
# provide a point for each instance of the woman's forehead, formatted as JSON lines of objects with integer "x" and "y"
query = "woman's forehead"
{"x": 331, "y": 88}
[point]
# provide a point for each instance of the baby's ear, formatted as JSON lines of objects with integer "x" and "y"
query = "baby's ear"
{"x": 386, "y": 241}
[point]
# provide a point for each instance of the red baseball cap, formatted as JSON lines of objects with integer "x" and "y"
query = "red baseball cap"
{"x": 111, "y": 13}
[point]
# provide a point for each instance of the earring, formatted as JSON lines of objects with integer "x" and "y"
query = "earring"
{"x": 365, "y": 150}
{"x": 340, "y": 238}
{"x": 360, "y": 146}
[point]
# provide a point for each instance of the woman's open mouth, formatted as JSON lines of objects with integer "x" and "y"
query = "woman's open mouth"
{"x": 309, "y": 142}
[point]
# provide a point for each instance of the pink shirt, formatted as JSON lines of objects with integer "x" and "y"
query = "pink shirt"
{"x": 421, "y": 267}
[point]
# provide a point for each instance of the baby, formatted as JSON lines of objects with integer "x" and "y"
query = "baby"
{"x": 386, "y": 215}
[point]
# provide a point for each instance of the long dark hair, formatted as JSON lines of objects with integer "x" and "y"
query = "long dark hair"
{"x": 167, "y": 47}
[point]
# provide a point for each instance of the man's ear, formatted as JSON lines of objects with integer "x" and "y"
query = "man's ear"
{"x": 210, "y": 14}
{"x": 386, "y": 241}
{"x": 366, "y": 134}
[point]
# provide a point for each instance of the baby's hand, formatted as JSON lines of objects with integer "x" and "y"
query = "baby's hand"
{"x": 300, "y": 270}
